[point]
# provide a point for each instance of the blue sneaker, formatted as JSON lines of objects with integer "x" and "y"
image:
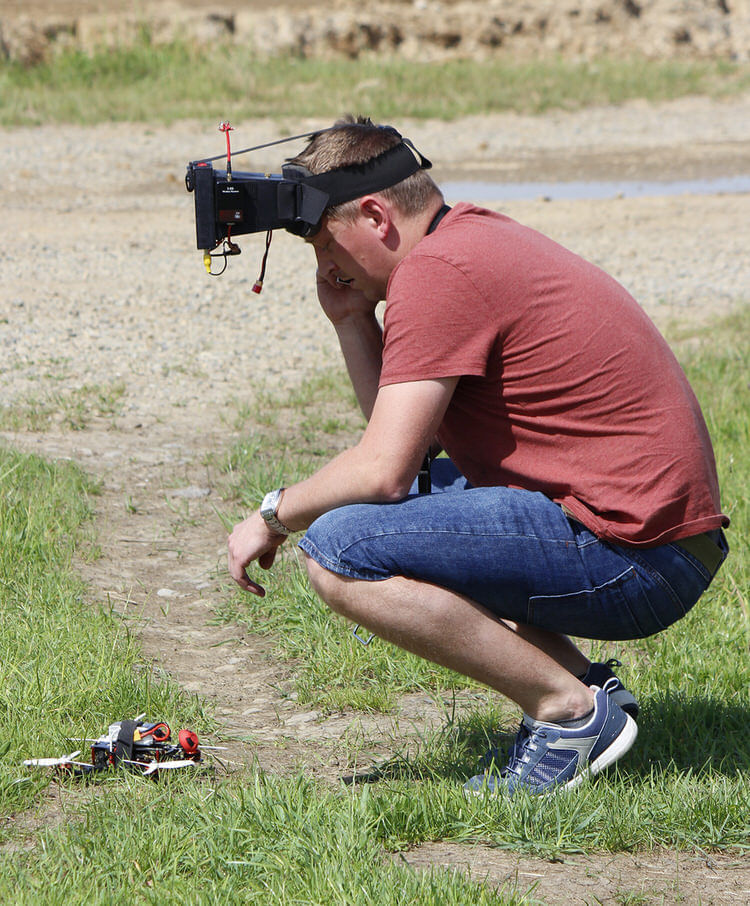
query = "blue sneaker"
{"x": 546, "y": 757}
{"x": 598, "y": 674}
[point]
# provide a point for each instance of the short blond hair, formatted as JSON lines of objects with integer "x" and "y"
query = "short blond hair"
{"x": 357, "y": 140}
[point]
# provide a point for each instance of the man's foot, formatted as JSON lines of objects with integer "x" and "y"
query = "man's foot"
{"x": 598, "y": 674}
{"x": 546, "y": 756}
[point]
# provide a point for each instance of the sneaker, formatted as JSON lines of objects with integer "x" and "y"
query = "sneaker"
{"x": 546, "y": 757}
{"x": 599, "y": 674}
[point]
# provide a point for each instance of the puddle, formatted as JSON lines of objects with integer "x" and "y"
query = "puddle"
{"x": 529, "y": 191}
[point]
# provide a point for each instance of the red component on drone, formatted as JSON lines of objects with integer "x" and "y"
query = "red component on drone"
{"x": 189, "y": 741}
{"x": 159, "y": 732}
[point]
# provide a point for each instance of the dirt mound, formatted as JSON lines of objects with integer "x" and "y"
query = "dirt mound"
{"x": 411, "y": 29}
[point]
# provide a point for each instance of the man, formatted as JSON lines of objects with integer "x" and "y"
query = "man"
{"x": 580, "y": 496}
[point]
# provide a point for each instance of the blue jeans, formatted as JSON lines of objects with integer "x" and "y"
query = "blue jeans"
{"x": 516, "y": 553}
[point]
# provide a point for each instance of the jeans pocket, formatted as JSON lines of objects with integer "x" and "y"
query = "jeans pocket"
{"x": 617, "y": 609}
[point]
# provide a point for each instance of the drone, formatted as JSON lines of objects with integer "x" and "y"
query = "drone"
{"x": 139, "y": 745}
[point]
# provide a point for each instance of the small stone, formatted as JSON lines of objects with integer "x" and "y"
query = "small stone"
{"x": 306, "y": 717}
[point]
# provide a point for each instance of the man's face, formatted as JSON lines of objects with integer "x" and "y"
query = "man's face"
{"x": 351, "y": 252}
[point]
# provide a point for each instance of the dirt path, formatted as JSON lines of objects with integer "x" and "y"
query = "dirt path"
{"x": 103, "y": 294}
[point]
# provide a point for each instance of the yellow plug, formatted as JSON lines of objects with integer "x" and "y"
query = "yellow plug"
{"x": 207, "y": 261}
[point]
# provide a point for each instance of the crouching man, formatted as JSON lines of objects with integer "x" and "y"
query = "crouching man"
{"x": 580, "y": 495}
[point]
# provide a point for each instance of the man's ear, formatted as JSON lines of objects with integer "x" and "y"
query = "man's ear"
{"x": 376, "y": 212}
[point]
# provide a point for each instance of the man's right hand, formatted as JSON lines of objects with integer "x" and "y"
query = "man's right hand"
{"x": 339, "y": 301}
{"x": 359, "y": 335}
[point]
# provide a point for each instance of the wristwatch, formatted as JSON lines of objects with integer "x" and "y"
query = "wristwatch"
{"x": 268, "y": 511}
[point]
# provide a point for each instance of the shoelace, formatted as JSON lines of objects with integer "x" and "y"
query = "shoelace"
{"x": 523, "y": 750}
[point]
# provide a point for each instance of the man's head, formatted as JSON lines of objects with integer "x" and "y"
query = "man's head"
{"x": 361, "y": 241}
{"x": 357, "y": 140}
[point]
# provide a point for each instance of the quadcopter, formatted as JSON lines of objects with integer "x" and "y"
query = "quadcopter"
{"x": 139, "y": 745}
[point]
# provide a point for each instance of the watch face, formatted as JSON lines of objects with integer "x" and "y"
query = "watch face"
{"x": 270, "y": 502}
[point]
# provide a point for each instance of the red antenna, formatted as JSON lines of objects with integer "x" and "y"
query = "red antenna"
{"x": 226, "y": 128}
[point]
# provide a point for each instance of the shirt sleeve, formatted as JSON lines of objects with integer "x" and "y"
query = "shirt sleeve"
{"x": 436, "y": 323}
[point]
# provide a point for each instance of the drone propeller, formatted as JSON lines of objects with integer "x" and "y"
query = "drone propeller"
{"x": 154, "y": 766}
{"x": 172, "y": 765}
{"x": 52, "y": 762}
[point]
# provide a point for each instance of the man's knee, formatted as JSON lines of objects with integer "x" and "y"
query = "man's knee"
{"x": 327, "y": 585}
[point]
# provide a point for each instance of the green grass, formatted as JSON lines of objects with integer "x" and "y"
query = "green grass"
{"x": 67, "y": 667}
{"x": 282, "y": 840}
{"x": 161, "y": 84}
{"x": 267, "y": 841}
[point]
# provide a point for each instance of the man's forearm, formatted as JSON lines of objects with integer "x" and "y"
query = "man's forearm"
{"x": 383, "y": 465}
{"x": 361, "y": 339}
{"x": 380, "y": 468}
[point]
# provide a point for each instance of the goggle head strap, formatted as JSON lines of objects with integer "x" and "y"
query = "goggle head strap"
{"x": 347, "y": 183}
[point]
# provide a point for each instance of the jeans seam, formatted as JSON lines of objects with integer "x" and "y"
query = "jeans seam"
{"x": 587, "y": 591}
{"x": 657, "y": 577}
{"x": 614, "y": 584}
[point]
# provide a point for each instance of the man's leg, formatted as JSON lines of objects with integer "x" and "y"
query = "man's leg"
{"x": 450, "y": 576}
{"x": 449, "y": 629}
{"x": 446, "y": 478}
{"x": 559, "y": 647}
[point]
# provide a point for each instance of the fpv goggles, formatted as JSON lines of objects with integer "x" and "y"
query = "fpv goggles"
{"x": 230, "y": 203}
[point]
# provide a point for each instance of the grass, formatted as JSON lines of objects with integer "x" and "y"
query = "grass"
{"x": 149, "y": 83}
{"x": 287, "y": 839}
{"x": 267, "y": 841}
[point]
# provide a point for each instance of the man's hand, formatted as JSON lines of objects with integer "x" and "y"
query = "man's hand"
{"x": 359, "y": 335}
{"x": 339, "y": 301}
{"x": 251, "y": 540}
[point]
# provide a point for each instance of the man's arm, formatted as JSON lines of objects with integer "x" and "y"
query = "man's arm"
{"x": 359, "y": 334}
{"x": 379, "y": 469}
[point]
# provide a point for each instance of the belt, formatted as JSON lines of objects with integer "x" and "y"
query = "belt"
{"x": 704, "y": 549}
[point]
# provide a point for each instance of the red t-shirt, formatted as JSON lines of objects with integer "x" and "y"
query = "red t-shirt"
{"x": 566, "y": 387}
